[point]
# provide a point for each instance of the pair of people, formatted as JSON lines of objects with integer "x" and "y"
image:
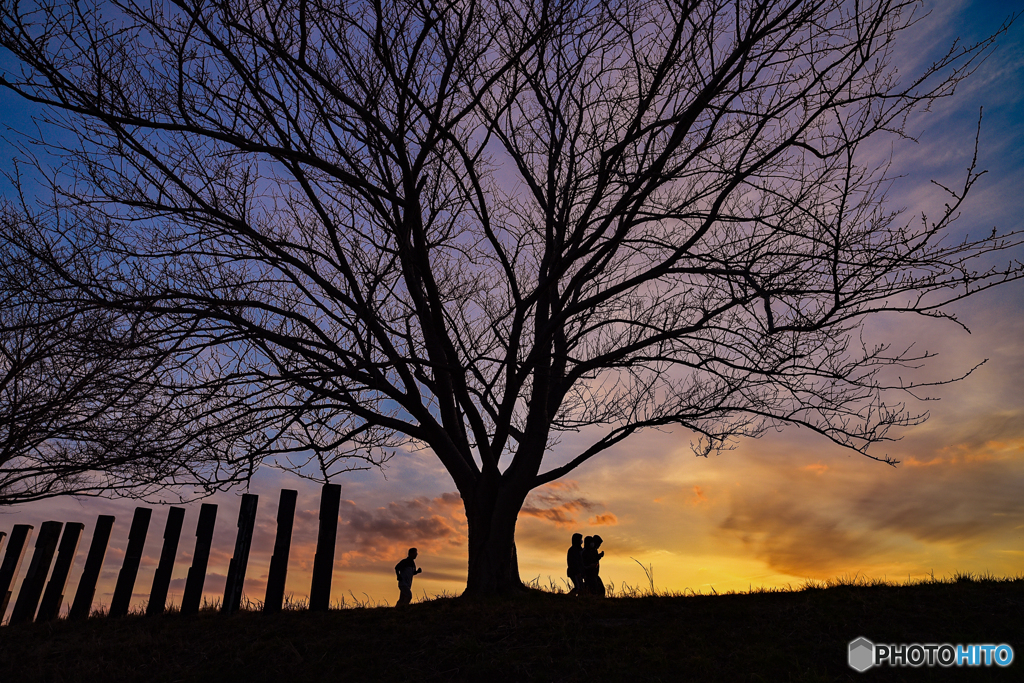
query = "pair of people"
{"x": 583, "y": 562}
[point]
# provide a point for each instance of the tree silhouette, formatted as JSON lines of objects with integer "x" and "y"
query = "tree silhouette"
{"x": 88, "y": 402}
{"x": 476, "y": 225}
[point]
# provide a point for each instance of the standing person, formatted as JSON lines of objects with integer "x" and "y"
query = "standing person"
{"x": 574, "y": 564}
{"x": 405, "y": 570}
{"x": 592, "y": 565}
{"x": 589, "y": 557}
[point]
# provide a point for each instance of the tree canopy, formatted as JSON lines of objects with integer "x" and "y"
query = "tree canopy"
{"x": 337, "y": 227}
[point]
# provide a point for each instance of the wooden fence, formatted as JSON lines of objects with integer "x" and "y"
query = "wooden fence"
{"x": 57, "y": 544}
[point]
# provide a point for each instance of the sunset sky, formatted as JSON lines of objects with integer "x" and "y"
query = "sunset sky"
{"x": 776, "y": 511}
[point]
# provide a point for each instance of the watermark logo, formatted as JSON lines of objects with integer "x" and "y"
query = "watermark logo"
{"x": 862, "y": 654}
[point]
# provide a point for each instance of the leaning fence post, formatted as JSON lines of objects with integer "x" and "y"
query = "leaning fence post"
{"x": 53, "y": 596}
{"x": 323, "y": 561}
{"x": 200, "y": 558}
{"x": 240, "y": 559}
{"x": 35, "y": 577}
{"x": 132, "y": 559}
{"x": 162, "y": 577}
{"x": 282, "y": 547}
{"x": 17, "y": 544}
{"x": 82, "y": 605}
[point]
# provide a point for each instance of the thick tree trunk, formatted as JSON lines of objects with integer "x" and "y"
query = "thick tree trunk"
{"x": 493, "y": 566}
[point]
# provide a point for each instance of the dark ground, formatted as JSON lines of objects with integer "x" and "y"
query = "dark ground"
{"x": 760, "y": 636}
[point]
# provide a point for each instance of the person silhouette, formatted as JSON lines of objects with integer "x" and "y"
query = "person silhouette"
{"x": 592, "y": 565}
{"x": 405, "y": 570}
{"x": 588, "y": 548}
{"x": 574, "y": 564}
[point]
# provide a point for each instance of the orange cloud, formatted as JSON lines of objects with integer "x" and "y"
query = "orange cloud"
{"x": 431, "y": 524}
{"x": 567, "y": 485}
{"x": 817, "y": 468}
{"x": 699, "y": 496}
{"x": 560, "y": 515}
{"x": 822, "y": 528}
{"x": 553, "y": 503}
{"x": 607, "y": 519}
{"x": 915, "y": 462}
{"x": 793, "y": 539}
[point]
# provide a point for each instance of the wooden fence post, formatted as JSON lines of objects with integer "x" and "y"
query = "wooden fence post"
{"x": 35, "y": 577}
{"x": 282, "y": 547}
{"x": 82, "y": 605}
{"x": 132, "y": 559}
{"x": 162, "y": 577}
{"x": 200, "y": 558}
{"x": 53, "y": 596}
{"x": 17, "y": 544}
{"x": 240, "y": 559}
{"x": 323, "y": 561}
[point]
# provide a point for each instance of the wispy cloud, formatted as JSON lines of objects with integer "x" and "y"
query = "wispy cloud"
{"x": 559, "y": 504}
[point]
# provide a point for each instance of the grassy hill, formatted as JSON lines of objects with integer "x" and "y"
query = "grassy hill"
{"x": 799, "y": 635}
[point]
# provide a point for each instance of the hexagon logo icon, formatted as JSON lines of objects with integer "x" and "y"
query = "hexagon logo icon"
{"x": 862, "y": 654}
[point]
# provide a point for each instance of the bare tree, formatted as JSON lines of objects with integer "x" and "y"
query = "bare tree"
{"x": 92, "y": 400}
{"x": 86, "y": 398}
{"x": 476, "y": 225}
